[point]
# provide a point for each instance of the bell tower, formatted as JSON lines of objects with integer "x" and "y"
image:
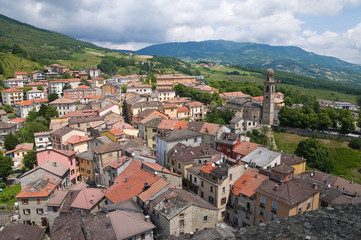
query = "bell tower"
{"x": 268, "y": 98}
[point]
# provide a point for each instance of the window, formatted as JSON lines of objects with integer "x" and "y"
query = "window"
{"x": 39, "y": 211}
{"x": 272, "y": 216}
{"x": 88, "y": 171}
{"x": 230, "y": 176}
{"x": 210, "y": 199}
{"x": 223, "y": 189}
{"x": 308, "y": 202}
{"x": 300, "y": 207}
{"x": 72, "y": 172}
{"x": 82, "y": 169}
{"x": 142, "y": 236}
{"x": 202, "y": 194}
{"x": 211, "y": 188}
{"x": 236, "y": 200}
{"x": 181, "y": 223}
{"x": 25, "y": 201}
{"x": 38, "y": 200}
{"x": 202, "y": 184}
{"x": 55, "y": 209}
{"x": 195, "y": 139}
{"x": 263, "y": 202}
{"x": 190, "y": 177}
{"x": 262, "y": 212}
{"x": 195, "y": 180}
{"x": 205, "y": 218}
{"x": 223, "y": 201}
{"x": 274, "y": 207}
{"x": 26, "y": 211}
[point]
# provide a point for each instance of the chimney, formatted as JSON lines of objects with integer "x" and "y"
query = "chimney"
{"x": 95, "y": 216}
{"x": 92, "y": 201}
{"x": 54, "y": 164}
{"x": 314, "y": 186}
{"x": 147, "y": 218}
{"x": 256, "y": 176}
{"x": 276, "y": 187}
{"x": 126, "y": 179}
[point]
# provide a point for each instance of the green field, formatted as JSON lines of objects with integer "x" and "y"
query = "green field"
{"x": 7, "y": 196}
{"x": 345, "y": 160}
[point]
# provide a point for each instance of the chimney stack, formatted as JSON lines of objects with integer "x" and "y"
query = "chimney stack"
{"x": 147, "y": 218}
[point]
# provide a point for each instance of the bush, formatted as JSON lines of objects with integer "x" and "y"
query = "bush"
{"x": 2, "y": 185}
{"x": 355, "y": 144}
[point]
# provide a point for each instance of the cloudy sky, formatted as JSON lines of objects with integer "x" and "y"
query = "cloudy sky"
{"x": 327, "y": 27}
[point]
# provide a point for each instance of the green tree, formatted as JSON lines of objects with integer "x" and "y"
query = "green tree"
{"x": 6, "y": 166}
{"x": 316, "y": 153}
{"x": 10, "y": 141}
{"x": 42, "y": 110}
{"x": 29, "y": 160}
{"x": 206, "y": 98}
{"x": 124, "y": 88}
{"x": 358, "y": 100}
{"x": 84, "y": 82}
{"x": 51, "y": 112}
{"x": 8, "y": 109}
{"x": 2, "y": 69}
{"x": 40, "y": 87}
{"x": 32, "y": 115}
{"x": 66, "y": 86}
{"x": 26, "y": 89}
{"x": 52, "y": 97}
{"x": 355, "y": 143}
{"x": 324, "y": 121}
{"x": 347, "y": 121}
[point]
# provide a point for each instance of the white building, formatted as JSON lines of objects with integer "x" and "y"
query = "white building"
{"x": 42, "y": 141}
{"x": 58, "y": 85}
{"x": 165, "y": 94}
{"x": 139, "y": 88}
{"x": 11, "y": 96}
{"x": 92, "y": 72}
{"x": 21, "y": 75}
{"x": 64, "y": 105}
{"x": 197, "y": 110}
{"x": 34, "y": 94}
{"x": 167, "y": 140}
{"x": 10, "y": 83}
{"x": 23, "y": 108}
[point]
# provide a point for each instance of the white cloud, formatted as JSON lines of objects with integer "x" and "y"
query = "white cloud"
{"x": 137, "y": 23}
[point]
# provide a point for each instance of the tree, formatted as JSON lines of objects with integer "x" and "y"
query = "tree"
{"x": 66, "y": 86}
{"x": 8, "y": 109}
{"x": 52, "y": 97}
{"x": 10, "y": 141}
{"x": 123, "y": 88}
{"x": 6, "y": 166}
{"x": 40, "y": 87}
{"x": 42, "y": 110}
{"x": 316, "y": 153}
{"x": 29, "y": 160}
{"x": 84, "y": 82}
{"x": 51, "y": 112}
{"x": 355, "y": 143}
{"x": 358, "y": 100}
{"x": 2, "y": 70}
{"x": 32, "y": 115}
{"x": 347, "y": 121}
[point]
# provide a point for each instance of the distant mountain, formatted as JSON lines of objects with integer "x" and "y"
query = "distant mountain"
{"x": 289, "y": 59}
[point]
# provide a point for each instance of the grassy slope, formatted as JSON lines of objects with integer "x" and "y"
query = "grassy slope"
{"x": 13, "y": 64}
{"x": 345, "y": 160}
{"x": 219, "y": 73}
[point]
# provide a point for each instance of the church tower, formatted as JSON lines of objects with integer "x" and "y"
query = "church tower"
{"x": 268, "y": 98}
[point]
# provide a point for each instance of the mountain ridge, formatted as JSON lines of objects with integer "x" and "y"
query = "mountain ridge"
{"x": 291, "y": 59}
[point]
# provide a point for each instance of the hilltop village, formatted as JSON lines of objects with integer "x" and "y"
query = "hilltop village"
{"x": 124, "y": 160}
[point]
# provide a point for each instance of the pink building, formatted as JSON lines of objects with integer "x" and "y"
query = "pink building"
{"x": 62, "y": 156}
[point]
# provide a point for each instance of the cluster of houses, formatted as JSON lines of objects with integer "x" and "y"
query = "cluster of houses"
{"x": 143, "y": 165}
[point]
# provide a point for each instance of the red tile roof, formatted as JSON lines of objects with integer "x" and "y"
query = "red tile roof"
{"x": 119, "y": 162}
{"x": 25, "y": 146}
{"x": 62, "y": 100}
{"x": 87, "y": 198}
{"x": 21, "y": 73}
{"x": 232, "y": 94}
{"x": 29, "y": 102}
{"x": 169, "y": 105}
{"x": 245, "y": 148}
{"x": 130, "y": 188}
{"x": 64, "y": 152}
{"x": 181, "y": 124}
{"x": 18, "y": 120}
{"x": 248, "y": 183}
{"x": 208, "y": 168}
{"x": 183, "y": 109}
{"x": 32, "y": 191}
{"x": 116, "y": 132}
{"x": 77, "y": 139}
{"x": 11, "y": 90}
{"x": 156, "y": 187}
{"x": 158, "y": 168}
{"x": 82, "y": 86}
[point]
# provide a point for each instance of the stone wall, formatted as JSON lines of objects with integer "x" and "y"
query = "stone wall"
{"x": 337, "y": 222}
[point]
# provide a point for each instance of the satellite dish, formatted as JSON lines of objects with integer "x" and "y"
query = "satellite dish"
{"x": 213, "y": 165}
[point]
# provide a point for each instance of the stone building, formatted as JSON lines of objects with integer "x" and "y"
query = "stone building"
{"x": 178, "y": 212}
{"x": 268, "y": 99}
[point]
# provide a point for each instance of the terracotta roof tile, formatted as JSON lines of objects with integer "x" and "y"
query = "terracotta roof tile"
{"x": 87, "y": 198}
{"x": 62, "y": 101}
{"x": 18, "y": 120}
{"x": 82, "y": 86}
{"x": 248, "y": 183}
{"x": 78, "y": 139}
{"x": 29, "y": 102}
{"x": 39, "y": 188}
{"x": 245, "y": 148}
{"x": 156, "y": 187}
{"x": 183, "y": 109}
{"x": 11, "y": 90}
{"x": 116, "y": 132}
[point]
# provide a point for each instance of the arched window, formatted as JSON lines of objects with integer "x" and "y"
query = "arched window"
{"x": 267, "y": 88}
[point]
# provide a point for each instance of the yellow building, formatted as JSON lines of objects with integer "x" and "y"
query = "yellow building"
{"x": 150, "y": 130}
{"x": 85, "y": 165}
{"x": 298, "y": 163}
{"x": 115, "y": 135}
{"x": 170, "y": 80}
{"x": 169, "y": 109}
{"x": 282, "y": 195}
